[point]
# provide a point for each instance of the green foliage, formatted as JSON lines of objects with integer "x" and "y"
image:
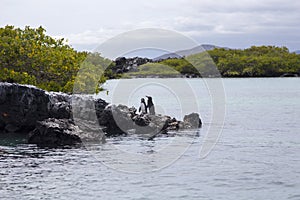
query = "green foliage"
{"x": 154, "y": 69}
{"x": 91, "y": 74}
{"x": 109, "y": 72}
{"x": 183, "y": 66}
{"x": 263, "y": 61}
{"x": 30, "y": 56}
{"x": 204, "y": 65}
{"x": 20, "y": 77}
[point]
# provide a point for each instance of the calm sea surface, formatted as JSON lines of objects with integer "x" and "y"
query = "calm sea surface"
{"x": 256, "y": 153}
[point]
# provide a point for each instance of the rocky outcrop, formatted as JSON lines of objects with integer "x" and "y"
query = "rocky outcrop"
{"x": 59, "y": 105}
{"x": 116, "y": 119}
{"x": 121, "y": 120}
{"x": 55, "y": 132}
{"x": 129, "y": 64}
{"x": 58, "y": 119}
{"x": 192, "y": 121}
{"x": 22, "y": 106}
{"x": 25, "y": 109}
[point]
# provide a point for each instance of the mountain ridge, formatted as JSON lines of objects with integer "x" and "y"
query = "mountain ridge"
{"x": 182, "y": 53}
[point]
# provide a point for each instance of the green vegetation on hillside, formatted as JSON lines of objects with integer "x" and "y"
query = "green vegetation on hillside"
{"x": 183, "y": 66}
{"x": 263, "y": 61}
{"x": 29, "y": 56}
{"x": 154, "y": 69}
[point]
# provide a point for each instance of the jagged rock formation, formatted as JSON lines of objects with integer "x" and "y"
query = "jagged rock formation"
{"x": 55, "y": 132}
{"x": 22, "y": 106}
{"x": 129, "y": 64}
{"x": 57, "y": 119}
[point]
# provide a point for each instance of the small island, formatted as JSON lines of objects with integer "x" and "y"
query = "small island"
{"x": 57, "y": 119}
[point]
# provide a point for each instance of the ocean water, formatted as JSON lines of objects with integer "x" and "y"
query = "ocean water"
{"x": 250, "y": 126}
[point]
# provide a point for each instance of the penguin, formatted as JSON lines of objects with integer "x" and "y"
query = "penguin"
{"x": 150, "y": 105}
{"x": 143, "y": 107}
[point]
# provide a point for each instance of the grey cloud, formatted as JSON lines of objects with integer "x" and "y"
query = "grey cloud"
{"x": 256, "y": 6}
{"x": 86, "y": 23}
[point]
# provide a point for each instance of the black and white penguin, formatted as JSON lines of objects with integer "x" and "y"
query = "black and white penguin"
{"x": 150, "y": 105}
{"x": 143, "y": 107}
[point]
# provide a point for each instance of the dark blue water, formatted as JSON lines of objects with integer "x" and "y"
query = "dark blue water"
{"x": 255, "y": 157}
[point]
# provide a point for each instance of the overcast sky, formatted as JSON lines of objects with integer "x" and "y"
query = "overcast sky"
{"x": 230, "y": 23}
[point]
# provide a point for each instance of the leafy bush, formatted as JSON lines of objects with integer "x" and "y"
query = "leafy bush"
{"x": 30, "y": 56}
{"x": 154, "y": 69}
{"x": 263, "y": 61}
{"x": 11, "y": 76}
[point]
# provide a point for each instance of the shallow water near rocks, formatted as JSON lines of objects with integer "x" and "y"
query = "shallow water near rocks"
{"x": 256, "y": 156}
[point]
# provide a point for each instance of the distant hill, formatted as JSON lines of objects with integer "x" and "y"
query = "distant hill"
{"x": 297, "y": 51}
{"x": 187, "y": 52}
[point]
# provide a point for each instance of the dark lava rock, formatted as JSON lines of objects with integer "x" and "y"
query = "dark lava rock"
{"x": 59, "y": 105}
{"x": 192, "y": 121}
{"x": 116, "y": 119}
{"x": 129, "y": 64}
{"x": 22, "y": 106}
{"x": 54, "y": 133}
{"x": 141, "y": 120}
{"x": 57, "y": 119}
{"x": 121, "y": 120}
{"x": 91, "y": 131}
{"x": 100, "y": 105}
